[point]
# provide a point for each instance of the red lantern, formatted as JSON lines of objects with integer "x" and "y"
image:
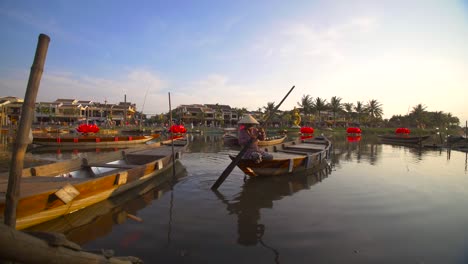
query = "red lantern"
{"x": 353, "y": 130}
{"x": 307, "y": 130}
{"x": 306, "y": 137}
{"x": 84, "y": 128}
{"x": 178, "y": 129}
{"x": 402, "y": 131}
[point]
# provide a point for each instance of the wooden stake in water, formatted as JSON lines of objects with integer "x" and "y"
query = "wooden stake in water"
{"x": 22, "y": 139}
{"x": 172, "y": 138}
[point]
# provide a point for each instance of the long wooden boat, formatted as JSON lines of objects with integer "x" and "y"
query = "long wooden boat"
{"x": 99, "y": 219}
{"x": 53, "y": 190}
{"x": 290, "y": 157}
{"x": 405, "y": 139}
{"x": 91, "y": 140}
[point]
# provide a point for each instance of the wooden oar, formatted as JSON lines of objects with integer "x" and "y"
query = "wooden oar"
{"x": 239, "y": 156}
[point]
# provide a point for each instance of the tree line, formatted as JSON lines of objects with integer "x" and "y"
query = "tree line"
{"x": 319, "y": 112}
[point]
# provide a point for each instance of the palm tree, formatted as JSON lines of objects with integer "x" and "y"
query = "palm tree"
{"x": 348, "y": 107}
{"x": 201, "y": 116}
{"x": 320, "y": 105}
{"x": 419, "y": 115}
{"x": 269, "y": 110}
{"x": 359, "y": 108}
{"x": 286, "y": 117}
{"x": 335, "y": 107}
{"x": 219, "y": 120}
{"x": 306, "y": 106}
{"x": 240, "y": 112}
{"x": 374, "y": 110}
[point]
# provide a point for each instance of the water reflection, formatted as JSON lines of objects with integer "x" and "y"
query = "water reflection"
{"x": 260, "y": 193}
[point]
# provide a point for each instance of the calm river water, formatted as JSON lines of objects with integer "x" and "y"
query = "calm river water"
{"x": 378, "y": 204}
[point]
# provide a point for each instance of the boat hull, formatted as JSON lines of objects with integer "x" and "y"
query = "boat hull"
{"x": 47, "y": 197}
{"x": 403, "y": 139}
{"x": 289, "y": 158}
{"x": 91, "y": 141}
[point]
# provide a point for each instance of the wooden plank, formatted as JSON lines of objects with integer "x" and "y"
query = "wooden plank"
{"x": 294, "y": 152}
{"x": 67, "y": 193}
{"x": 116, "y": 166}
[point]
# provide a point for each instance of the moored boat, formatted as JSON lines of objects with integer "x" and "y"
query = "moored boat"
{"x": 90, "y": 140}
{"x": 403, "y": 139}
{"x": 290, "y": 157}
{"x": 270, "y": 141}
{"x": 53, "y": 190}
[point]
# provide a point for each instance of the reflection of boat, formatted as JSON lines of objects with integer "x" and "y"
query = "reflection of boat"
{"x": 260, "y": 193}
{"x": 61, "y": 188}
{"x": 289, "y": 158}
{"x": 405, "y": 139}
{"x": 90, "y": 140}
{"x": 98, "y": 220}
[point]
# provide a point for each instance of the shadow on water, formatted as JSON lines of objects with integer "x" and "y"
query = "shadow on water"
{"x": 260, "y": 193}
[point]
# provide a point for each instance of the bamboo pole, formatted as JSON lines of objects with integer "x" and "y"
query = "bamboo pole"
{"x": 172, "y": 137}
{"x": 22, "y": 139}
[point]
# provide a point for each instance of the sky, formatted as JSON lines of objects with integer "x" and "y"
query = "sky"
{"x": 241, "y": 53}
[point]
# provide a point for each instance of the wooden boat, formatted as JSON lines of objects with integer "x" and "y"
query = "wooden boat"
{"x": 91, "y": 140}
{"x": 99, "y": 219}
{"x": 53, "y": 190}
{"x": 270, "y": 141}
{"x": 230, "y": 138}
{"x": 290, "y": 157}
{"x": 403, "y": 139}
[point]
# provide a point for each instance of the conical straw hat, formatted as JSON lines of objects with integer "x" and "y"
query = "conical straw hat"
{"x": 248, "y": 119}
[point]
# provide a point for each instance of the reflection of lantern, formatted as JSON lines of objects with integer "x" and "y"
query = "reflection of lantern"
{"x": 354, "y": 138}
{"x": 402, "y": 131}
{"x": 353, "y": 130}
{"x": 306, "y": 137}
{"x": 307, "y": 130}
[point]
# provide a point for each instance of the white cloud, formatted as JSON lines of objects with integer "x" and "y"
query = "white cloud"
{"x": 302, "y": 41}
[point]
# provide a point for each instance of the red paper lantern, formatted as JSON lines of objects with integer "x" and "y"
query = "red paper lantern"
{"x": 84, "y": 128}
{"x": 307, "y": 130}
{"x": 353, "y": 130}
{"x": 180, "y": 129}
{"x": 402, "y": 130}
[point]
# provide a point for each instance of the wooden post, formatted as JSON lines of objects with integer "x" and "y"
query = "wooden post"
{"x": 172, "y": 138}
{"x": 22, "y": 141}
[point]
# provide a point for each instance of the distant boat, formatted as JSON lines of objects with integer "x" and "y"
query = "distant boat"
{"x": 230, "y": 138}
{"x": 90, "y": 140}
{"x": 405, "y": 139}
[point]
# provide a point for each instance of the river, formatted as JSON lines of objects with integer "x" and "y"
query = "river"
{"x": 377, "y": 203}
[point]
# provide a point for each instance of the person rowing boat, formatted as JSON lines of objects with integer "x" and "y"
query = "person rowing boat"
{"x": 248, "y": 131}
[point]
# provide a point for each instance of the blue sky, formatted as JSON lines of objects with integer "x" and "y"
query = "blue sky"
{"x": 241, "y": 53}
